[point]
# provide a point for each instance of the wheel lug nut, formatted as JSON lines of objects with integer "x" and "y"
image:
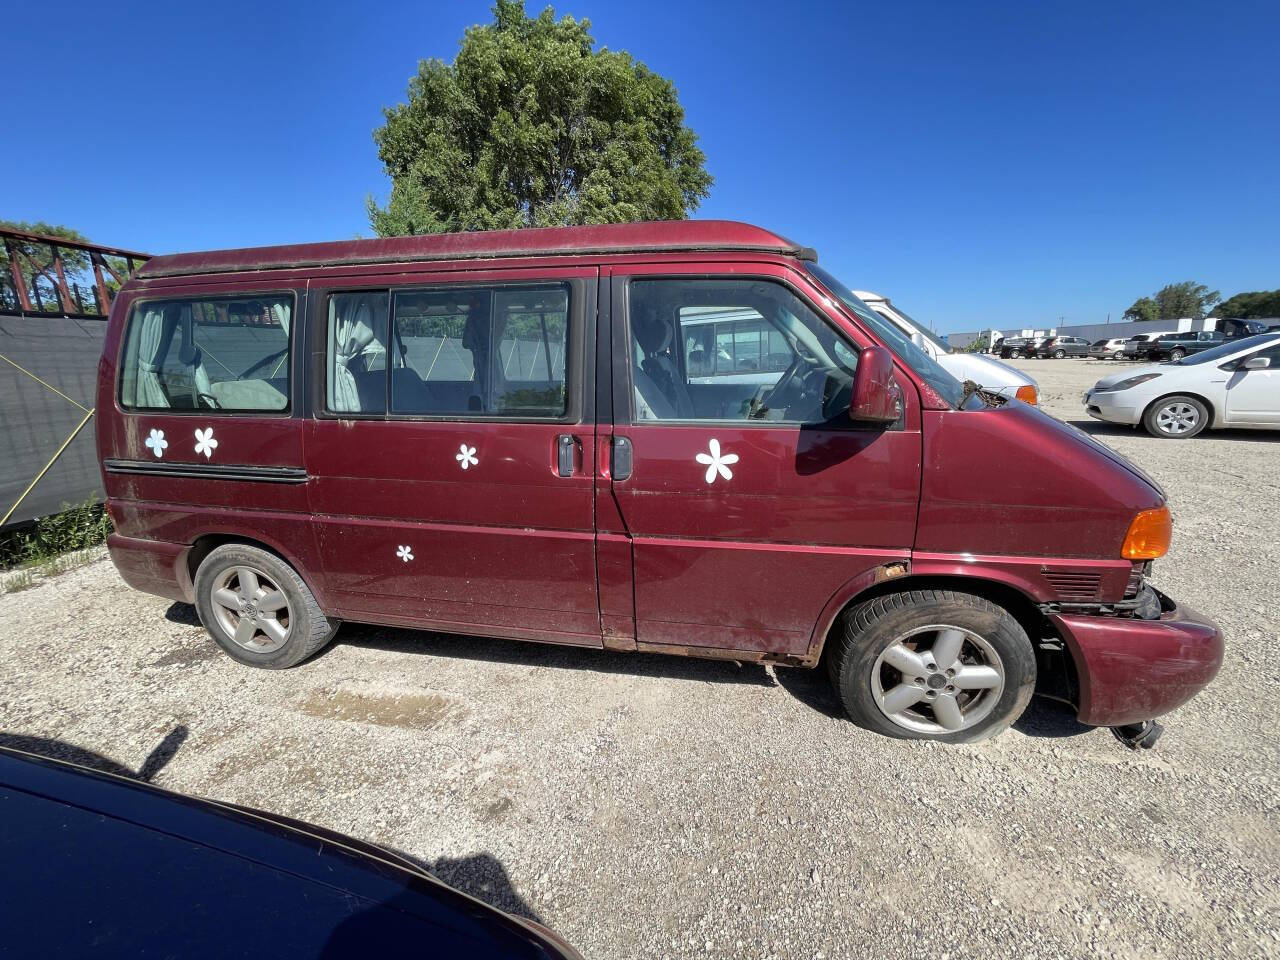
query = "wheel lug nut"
{"x": 951, "y": 672}
{"x": 931, "y": 694}
{"x": 950, "y": 689}
{"x": 920, "y": 680}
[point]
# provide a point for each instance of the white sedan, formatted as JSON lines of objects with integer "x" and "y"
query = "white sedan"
{"x": 1236, "y": 384}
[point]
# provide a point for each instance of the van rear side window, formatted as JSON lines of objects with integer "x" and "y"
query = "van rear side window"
{"x": 217, "y": 353}
{"x": 452, "y": 352}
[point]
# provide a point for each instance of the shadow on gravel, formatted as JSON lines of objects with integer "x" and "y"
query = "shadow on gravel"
{"x": 156, "y": 761}
{"x": 1049, "y": 718}
{"x": 498, "y": 650}
{"x": 1100, "y": 428}
{"x": 812, "y": 688}
{"x": 183, "y": 613}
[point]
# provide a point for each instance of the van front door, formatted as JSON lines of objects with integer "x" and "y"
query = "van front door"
{"x": 751, "y": 498}
{"x": 452, "y": 453}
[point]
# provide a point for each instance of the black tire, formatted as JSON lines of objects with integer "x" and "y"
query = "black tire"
{"x": 305, "y": 629}
{"x": 1176, "y": 417}
{"x": 1014, "y": 354}
{"x": 1059, "y": 354}
{"x": 1177, "y": 354}
{"x": 869, "y": 629}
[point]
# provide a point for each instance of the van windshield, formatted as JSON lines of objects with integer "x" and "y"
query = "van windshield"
{"x": 948, "y": 387}
{"x": 920, "y": 328}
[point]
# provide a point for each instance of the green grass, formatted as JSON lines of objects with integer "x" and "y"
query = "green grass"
{"x": 53, "y": 544}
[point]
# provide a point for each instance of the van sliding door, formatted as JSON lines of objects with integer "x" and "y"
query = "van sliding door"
{"x": 452, "y": 451}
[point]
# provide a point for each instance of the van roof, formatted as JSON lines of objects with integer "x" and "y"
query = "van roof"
{"x": 653, "y": 237}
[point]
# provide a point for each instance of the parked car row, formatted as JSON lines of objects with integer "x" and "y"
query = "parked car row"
{"x": 1232, "y": 383}
{"x": 1153, "y": 345}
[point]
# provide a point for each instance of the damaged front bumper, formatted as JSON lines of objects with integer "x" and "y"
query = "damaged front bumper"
{"x": 1135, "y": 668}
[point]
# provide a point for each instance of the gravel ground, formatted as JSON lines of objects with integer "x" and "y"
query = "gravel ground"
{"x": 653, "y": 806}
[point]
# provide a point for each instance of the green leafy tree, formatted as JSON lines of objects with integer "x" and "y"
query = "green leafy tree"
{"x": 1246, "y": 306}
{"x": 1144, "y": 308}
{"x": 979, "y": 343}
{"x": 1185, "y": 299}
{"x": 530, "y": 126}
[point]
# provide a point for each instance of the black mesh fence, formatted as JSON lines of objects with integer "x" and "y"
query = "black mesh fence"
{"x": 35, "y": 421}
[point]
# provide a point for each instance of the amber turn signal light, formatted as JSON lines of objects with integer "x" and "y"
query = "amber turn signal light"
{"x": 1027, "y": 394}
{"x": 1149, "y": 535}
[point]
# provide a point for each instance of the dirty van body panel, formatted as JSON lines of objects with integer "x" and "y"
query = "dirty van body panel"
{"x": 1135, "y": 670}
{"x": 172, "y": 476}
{"x": 408, "y": 536}
{"x": 748, "y": 564}
{"x": 1011, "y": 482}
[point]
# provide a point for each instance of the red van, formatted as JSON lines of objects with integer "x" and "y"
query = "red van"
{"x": 680, "y": 437}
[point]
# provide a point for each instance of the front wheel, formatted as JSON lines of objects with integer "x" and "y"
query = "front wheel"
{"x": 1176, "y": 418}
{"x": 258, "y": 609}
{"x": 932, "y": 665}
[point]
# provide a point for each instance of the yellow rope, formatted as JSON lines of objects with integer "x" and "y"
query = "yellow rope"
{"x": 43, "y": 383}
{"x": 66, "y": 443}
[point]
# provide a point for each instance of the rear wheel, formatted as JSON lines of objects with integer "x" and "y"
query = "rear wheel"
{"x": 1176, "y": 418}
{"x": 258, "y": 609}
{"x": 1177, "y": 354}
{"x": 1059, "y": 354}
{"x": 932, "y": 665}
{"x": 1015, "y": 354}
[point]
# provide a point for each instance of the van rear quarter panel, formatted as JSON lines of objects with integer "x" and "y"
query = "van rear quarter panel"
{"x": 181, "y": 509}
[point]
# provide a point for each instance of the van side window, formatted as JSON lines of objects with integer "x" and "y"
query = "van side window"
{"x": 734, "y": 350}
{"x": 477, "y": 351}
{"x": 217, "y": 353}
{"x": 357, "y": 353}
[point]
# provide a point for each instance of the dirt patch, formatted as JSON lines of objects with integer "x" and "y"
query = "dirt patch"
{"x": 189, "y": 656}
{"x": 418, "y": 710}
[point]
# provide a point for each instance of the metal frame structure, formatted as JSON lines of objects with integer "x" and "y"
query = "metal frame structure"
{"x": 71, "y": 303}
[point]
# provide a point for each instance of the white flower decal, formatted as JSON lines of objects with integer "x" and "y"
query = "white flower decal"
{"x": 404, "y": 553}
{"x": 157, "y": 442}
{"x": 715, "y": 463}
{"x": 466, "y": 456}
{"x": 204, "y": 442}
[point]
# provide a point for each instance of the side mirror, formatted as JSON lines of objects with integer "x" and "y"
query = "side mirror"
{"x": 876, "y": 397}
{"x": 1254, "y": 363}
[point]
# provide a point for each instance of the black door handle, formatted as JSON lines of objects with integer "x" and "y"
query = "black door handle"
{"x": 622, "y": 458}
{"x": 566, "y": 450}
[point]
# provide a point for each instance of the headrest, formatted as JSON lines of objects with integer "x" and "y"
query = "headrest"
{"x": 650, "y": 330}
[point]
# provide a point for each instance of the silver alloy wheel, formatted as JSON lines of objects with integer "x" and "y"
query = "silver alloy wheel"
{"x": 937, "y": 679}
{"x": 251, "y": 609}
{"x": 1177, "y": 418}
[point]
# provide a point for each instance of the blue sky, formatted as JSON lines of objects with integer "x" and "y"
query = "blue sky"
{"x": 982, "y": 164}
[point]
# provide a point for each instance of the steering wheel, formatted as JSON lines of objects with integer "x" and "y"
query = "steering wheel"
{"x": 766, "y": 395}
{"x": 208, "y": 400}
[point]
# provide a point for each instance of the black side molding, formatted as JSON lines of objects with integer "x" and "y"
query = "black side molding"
{"x": 207, "y": 471}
